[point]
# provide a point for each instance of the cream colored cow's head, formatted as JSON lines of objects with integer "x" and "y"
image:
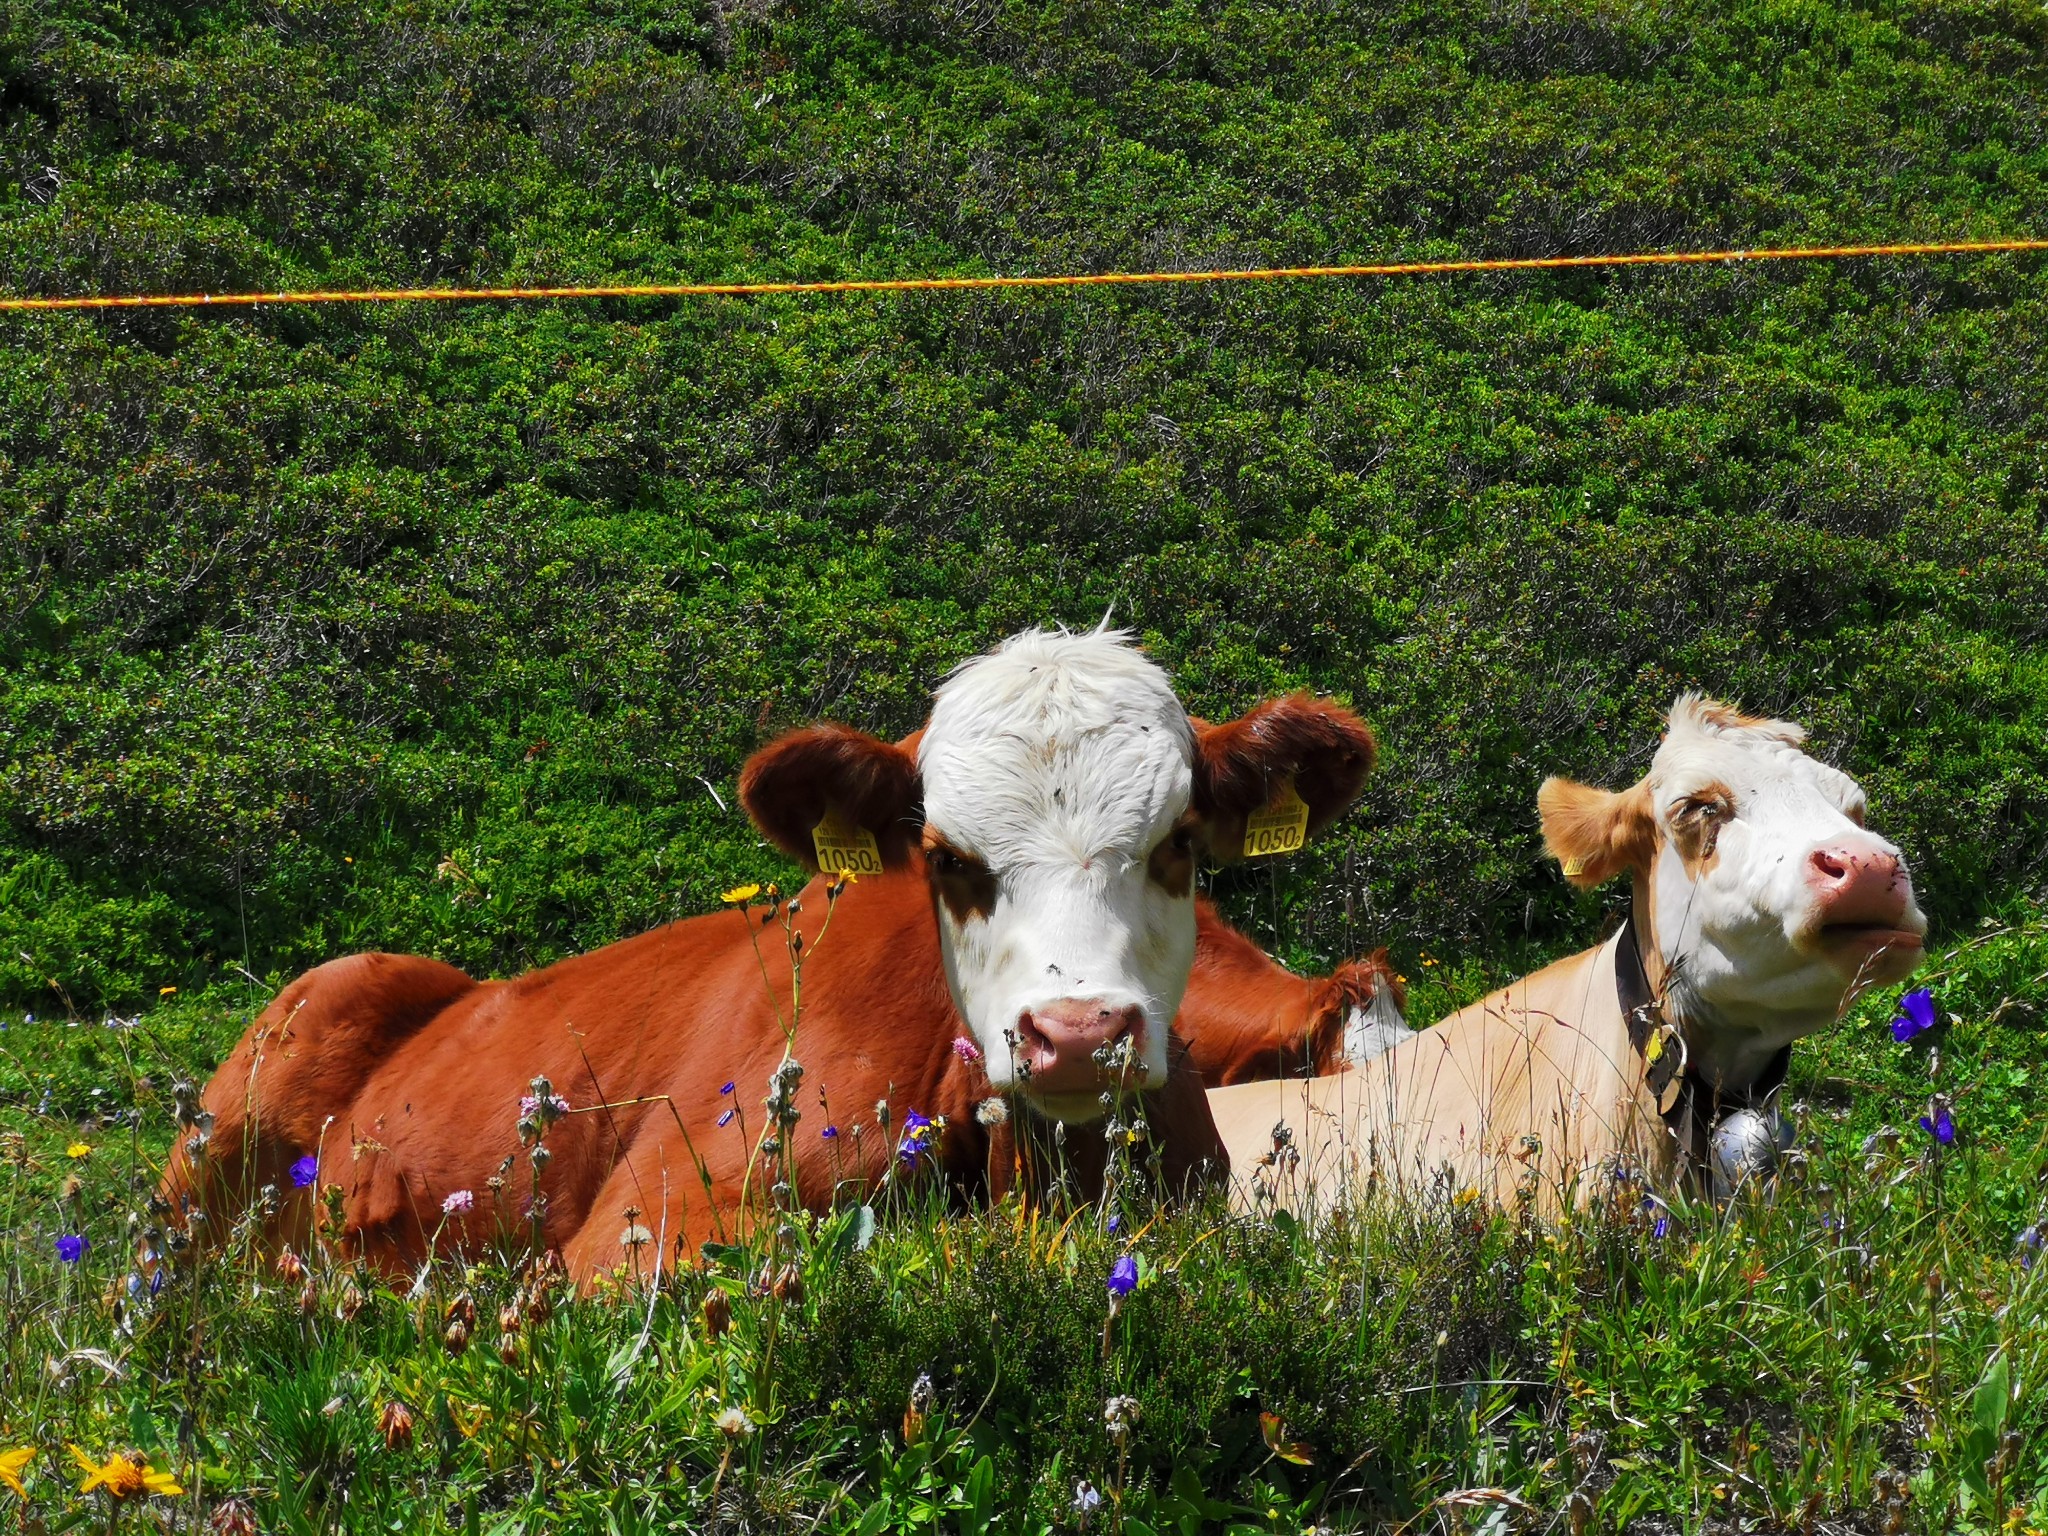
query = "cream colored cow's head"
{"x": 1770, "y": 903}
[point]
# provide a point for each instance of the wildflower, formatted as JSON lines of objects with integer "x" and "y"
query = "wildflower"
{"x": 725, "y": 1090}
{"x": 717, "y": 1310}
{"x": 1938, "y": 1122}
{"x": 1123, "y": 1276}
{"x": 830, "y": 1133}
{"x": 123, "y": 1476}
{"x": 12, "y": 1464}
{"x": 734, "y": 1424}
{"x": 456, "y": 1339}
{"x": 232, "y": 1517}
{"x": 1118, "y": 1415}
{"x": 635, "y": 1236}
{"x": 1916, "y": 1015}
{"x": 395, "y": 1425}
{"x": 920, "y": 1136}
{"x": 2030, "y": 1242}
{"x": 1658, "y": 1215}
{"x": 305, "y": 1171}
{"x": 966, "y": 1049}
{"x": 71, "y": 1247}
{"x": 1115, "y": 1223}
{"x": 740, "y": 895}
{"x": 1087, "y": 1499}
{"x": 992, "y": 1112}
{"x": 166, "y": 991}
{"x": 918, "y": 1409}
{"x": 78, "y": 1149}
{"x": 544, "y": 1108}
{"x": 459, "y": 1203}
{"x": 726, "y": 1119}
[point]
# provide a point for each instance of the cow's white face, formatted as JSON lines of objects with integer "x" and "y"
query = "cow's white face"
{"x": 1771, "y": 904}
{"x": 1055, "y": 802}
{"x": 1058, "y": 774}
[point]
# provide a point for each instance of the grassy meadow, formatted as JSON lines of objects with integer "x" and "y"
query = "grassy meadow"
{"x": 445, "y": 629}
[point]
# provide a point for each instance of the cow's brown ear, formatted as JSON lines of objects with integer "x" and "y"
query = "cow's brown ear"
{"x": 1241, "y": 765}
{"x": 864, "y": 783}
{"x": 1596, "y": 834}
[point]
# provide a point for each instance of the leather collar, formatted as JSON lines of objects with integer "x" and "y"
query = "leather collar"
{"x": 1689, "y": 1106}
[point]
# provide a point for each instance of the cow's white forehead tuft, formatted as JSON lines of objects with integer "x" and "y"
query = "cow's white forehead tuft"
{"x": 1696, "y": 715}
{"x": 1058, "y": 744}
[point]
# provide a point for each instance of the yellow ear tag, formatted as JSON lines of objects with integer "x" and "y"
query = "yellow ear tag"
{"x": 1281, "y": 826}
{"x": 1574, "y": 866}
{"x": 843, "y": 845}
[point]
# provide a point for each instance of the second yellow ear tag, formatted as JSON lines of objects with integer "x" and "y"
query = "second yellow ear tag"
{"x": 1574, "y": 866}
{"x": 1280, "y": 826}
{"x": 843, "y": 845}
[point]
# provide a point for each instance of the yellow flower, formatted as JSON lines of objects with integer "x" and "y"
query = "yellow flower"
{"x": 11, "y": 1466}
{"x": 165, "y": 991}
{"x": 78, "y": 1149}
{"x": 123, "y": 1475}
{"x": 740, "y": 894}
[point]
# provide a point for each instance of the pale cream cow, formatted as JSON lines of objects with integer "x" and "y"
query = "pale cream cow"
{"x": 1762, "y": 906}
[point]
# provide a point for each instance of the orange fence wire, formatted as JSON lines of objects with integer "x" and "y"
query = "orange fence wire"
{"x": 1060, "y": 280}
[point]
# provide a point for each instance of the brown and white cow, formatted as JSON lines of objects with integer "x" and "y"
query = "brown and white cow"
{"x": 1761, "y": 906}
{"x": 1033, "y": 933}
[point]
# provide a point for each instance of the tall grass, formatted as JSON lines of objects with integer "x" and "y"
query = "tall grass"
{"x": 1866, "y": 1349}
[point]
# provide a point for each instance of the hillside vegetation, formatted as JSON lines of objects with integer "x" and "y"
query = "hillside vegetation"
{"x": 446, "y": 628}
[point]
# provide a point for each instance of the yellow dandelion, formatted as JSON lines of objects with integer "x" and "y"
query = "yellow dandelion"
{"x": 78, "y": 1149}
{"x": 165, "y": 991}
{"x": 13, "y": 1463}
{"x": 846, "y": 877}
{"x": 739, "y": 895}
{"x": 123, "y": 1475}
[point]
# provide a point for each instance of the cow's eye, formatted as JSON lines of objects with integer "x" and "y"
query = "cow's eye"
{"x": 944, "y": 861}
{"x": 1705, "y": 808}
{"x": 1183, "y": 841}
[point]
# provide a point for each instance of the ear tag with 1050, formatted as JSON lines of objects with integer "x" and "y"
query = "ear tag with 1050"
{"x": 843, "y": 845}
{"x": 1280, "y": 826}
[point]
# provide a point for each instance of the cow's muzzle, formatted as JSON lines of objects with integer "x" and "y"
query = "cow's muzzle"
{"x": 1081, "y": 1046}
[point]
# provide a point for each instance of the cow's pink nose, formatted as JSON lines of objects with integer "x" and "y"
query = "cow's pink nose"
{"x": 1858, "y": 885}
{"x": 1059, "y": 1043}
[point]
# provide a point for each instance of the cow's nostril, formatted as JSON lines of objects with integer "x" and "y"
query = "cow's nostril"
{"x": 1830, "y": 864}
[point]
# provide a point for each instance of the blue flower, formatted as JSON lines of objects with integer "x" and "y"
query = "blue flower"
{"x": 920, "y": 1136}
{"x": 2029, "y": 1244}
{"x": 830, "y": 1133}
{"x": 305, "y": 1171}
{"x": 71, "y": 1247}
{"x": 1115, "y": 1221}
{"x": 1660, "y": 1224}
{"x": 725, "y": 1090}
{"x": 726, "y": 1119}
{"x": 1942, "y": 1125}
{"x": 1916, "y": 1015}
{"x": 1123, "y": 1276}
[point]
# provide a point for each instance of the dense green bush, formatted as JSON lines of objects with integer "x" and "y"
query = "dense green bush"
{"x": 299, "y": 607}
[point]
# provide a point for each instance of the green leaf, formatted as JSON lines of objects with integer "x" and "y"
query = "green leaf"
{"x": 1993, "y": 1403}
{"x": 979, "y": 1495}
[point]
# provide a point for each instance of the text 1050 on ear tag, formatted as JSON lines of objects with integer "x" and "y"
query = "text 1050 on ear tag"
{"x": 1280, "y": 826}
{"x": 843, "y": 845}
